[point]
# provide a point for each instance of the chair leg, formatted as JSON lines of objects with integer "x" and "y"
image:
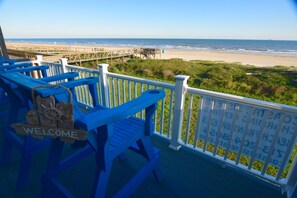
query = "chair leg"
{"x": 122, "y": 156}
{"x": 24, "y": 171}
{"x": 7, "y": 147}
{"x": 6, "y": 151}
{"x": 148, "y": 151}
{"x": 47, "y": 193}
{"x": 101, "y": 181}
{"x": 55, "y": 155}
{"x": 54, "y": 158}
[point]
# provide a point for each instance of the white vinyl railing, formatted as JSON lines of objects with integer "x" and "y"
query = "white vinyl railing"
{"x": 255, "y": 136}
{"x": 82, "y": 93}
{"x": 125, "y": 88}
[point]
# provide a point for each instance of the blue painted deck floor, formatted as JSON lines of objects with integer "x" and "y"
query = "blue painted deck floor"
{"x": 185, "y": 175}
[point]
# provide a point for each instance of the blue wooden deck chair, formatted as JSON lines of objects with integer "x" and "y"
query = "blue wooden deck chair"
{"x": 26, "y": 145}
{"x": 8, "y": 66}
{"x": 28, "y": 68}
{"x": 4, "y": 99}
{"x": 110, "y": 133}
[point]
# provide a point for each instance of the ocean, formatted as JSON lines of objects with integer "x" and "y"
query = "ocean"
{"x": 273, "y": 47}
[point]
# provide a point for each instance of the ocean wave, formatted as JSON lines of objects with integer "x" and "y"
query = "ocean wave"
{"x": 281, "y": 48}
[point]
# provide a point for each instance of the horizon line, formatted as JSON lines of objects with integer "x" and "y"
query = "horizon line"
{"x": 150, "y": 38}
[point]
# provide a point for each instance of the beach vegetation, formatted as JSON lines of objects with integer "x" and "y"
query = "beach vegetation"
{"x": 275, "y": 84}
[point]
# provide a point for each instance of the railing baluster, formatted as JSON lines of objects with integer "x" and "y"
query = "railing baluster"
{"x": 198, "y": 121}
{"x": 155, "y": 115}
{"x": 223, "y": 109}
{"x": 129, "y": 90}
{"x": 113, "y": 92}
{"x": 124, "y": 91}
{"x": 170, "y": 113}
{"x": 208, "y": 124}
{"x": 56, "y": 70}
{"x": 162, "y": 114}
{"x": 86, "y": 88}
{"x": 60, "y": 70}
{"x": 141, "y": 89}
{"x": 89, "y": 96}
{"x": 78, "y": 90}
{"x": 84, "y": 94}
{"x": 273, "y": 143}
{"x": 254, "y": 153}
{"x": 245, "y": 134}
{"x": 119, "y": 92}
{"x": 287, "y": 155}
{"x": 189, "y": 119}
{"x": 135, "y": 89}
{"x": 49, "y": 71}
{"x": 232, "y": 129}
{"x": 100, "y": 91}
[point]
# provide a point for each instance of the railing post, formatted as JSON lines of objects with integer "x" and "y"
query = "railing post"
{"x": 180, "y": 93}
{"x": 37, "y": 74}
{"x": 104, "y": 84}
{"x": 292, "y": 180}
{"x": 63, "y": 62}
{"x": 38, "y": 59}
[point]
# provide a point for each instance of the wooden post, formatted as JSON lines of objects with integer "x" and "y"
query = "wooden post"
{"x": 104, "y": 84}
{"x": 180, "y": 94}
{"x": 3, "y": 46}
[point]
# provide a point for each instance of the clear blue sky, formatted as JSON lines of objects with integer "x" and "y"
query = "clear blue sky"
{"x": 226, "y": 19}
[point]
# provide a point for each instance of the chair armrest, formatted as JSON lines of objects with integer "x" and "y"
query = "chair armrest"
{"x": 102, "y": 117}
{"x": 27, "y": 69}
{"x": 92, "y": 84}
{"x": 15, "y": 66}
{"x": 9, "y": 61}
{"x": 68, "y": 75}
{"x": 79, "y": 82}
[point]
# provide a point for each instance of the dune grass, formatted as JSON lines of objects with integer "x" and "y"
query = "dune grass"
{"x": 275, "y": 84}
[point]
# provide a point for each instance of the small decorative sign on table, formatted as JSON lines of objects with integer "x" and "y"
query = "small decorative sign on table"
{"x": 48, "y": 119}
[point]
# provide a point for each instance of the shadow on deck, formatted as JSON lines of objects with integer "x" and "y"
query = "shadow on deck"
{"x": 185, "y": 175}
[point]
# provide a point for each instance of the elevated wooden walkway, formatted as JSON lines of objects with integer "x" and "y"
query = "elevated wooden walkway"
{"x": 76, "y": 57}
{"x": 185, "y": 175}
{"x": 102, "y": 55}
{"x": 80, "y": 55}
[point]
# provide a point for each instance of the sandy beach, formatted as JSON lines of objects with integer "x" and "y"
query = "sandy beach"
{"x": 245, "y": 59}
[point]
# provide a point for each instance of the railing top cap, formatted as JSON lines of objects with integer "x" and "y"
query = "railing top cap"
{"x": 182, "y": 77}
{"x": 103, "y": 65}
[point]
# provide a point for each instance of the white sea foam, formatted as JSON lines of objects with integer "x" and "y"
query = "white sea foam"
{"x": 281, "y": 48}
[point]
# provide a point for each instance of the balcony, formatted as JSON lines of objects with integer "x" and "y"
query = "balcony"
{"x": 211, "y": 144}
